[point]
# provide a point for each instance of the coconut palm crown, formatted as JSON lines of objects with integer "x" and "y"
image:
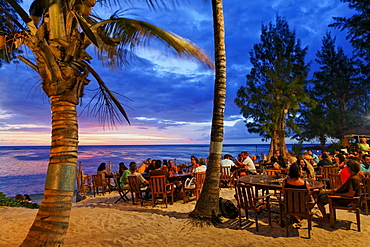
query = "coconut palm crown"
{"x": 58, "y": 33}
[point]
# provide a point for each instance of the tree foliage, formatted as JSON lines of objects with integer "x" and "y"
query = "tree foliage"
{"x": 275, "y": 86}
{"x": 341, "y": 93}
{"x": 357, "y": 26}
{"x": 8, "y": 31}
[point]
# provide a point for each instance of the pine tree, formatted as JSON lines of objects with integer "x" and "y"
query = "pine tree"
{"x": 340, "y": 89}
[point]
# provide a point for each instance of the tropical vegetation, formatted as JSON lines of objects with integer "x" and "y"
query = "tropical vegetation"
{"x": 59, "y": 35}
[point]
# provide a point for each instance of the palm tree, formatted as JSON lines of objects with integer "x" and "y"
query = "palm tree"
{"x": 58, "y": 34}
{"x": 207, "y": 206}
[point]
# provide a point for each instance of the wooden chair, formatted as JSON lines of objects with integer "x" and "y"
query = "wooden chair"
{"x": 247, "y": 201}
{"x": 159, "y": 187}
{"x": 122, "y": 192}
{"x": 353, "y": 204}
{"x": 335, "y": 180}
{"x": 366, "y": 195}
{"x": 319, "y": 170}
{"x": 196, "y": 187}
{"x": 296, "y": 202}
{"x": 329, "y": 169}
{"x": 100, "y": 182}
{"x": 225, "y": 176}
{"x": 135, "y": 188}
{"x": 85, "y": 184}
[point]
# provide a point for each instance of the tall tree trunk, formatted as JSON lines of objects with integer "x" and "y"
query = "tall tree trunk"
{"x": 207, "y": 205}
{"x": 278, "y": 137}
{"x": 52, "y": 219}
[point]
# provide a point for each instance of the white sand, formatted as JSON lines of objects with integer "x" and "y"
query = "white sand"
{"x": 99, "y": 222}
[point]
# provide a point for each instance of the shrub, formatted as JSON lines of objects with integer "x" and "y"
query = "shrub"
{"x": 10, "y": 202}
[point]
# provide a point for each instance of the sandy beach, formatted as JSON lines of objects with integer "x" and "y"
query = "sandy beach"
{"x": 100, "y": 222}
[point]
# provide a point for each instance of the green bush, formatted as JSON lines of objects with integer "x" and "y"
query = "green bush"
{"x": 334, "y": 147}
{"x": 10, "y": 202}
{"x": 297, "y": 148}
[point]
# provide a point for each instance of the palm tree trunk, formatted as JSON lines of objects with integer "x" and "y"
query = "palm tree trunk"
{"x": 207, "y": 206}
{"x": 52, "y": 219}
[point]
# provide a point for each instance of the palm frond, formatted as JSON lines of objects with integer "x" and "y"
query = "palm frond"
{"x": 133, "y": 33}
{"x": 106, "y": 107}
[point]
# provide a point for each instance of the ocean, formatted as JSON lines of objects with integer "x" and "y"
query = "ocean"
{"x": 23, "y": 168}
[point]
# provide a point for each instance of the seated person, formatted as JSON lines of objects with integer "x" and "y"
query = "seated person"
{"x": 144, "y": 166}
{"x": 142, "y": 181}
{"x": 194, "y": 163}
{"x": 277, "y": 158}
{"x": 158, "y": 170}
{"x": 103, "y": 170}
{"x": 151, "y": 167}
{"x": 307, "y": 168}
{"x": 365, "y": 165}
{"x": 294, "y": 181}
{"x": 245, "y": 162}
{"x": 363, "y": 146}
{"x": 122, "y": 168}
{"x": 171, "y": 167}
{"x": 350, "y": 188}
{"x": 228, "y": 162}
{"x": 202, "y": 166}
{"x": 124, "y": 181}
{"x": 325, "y": 160}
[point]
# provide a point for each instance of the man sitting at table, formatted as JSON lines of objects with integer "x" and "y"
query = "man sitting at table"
{"x": 246, "y": 162}
{"x": 365, "y": 165}
{"x": 325, "y": 160}
{"x": 350, "y": 188}
{"x": 158, "y": 170}
{"x": 142, "y": 181}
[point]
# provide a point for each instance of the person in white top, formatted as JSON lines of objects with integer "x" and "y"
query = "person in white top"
{"x": 246, "y": 162}
{"x": 227, "y": 161}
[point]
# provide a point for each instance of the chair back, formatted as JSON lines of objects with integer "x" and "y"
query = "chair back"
{"x": 98, "y": 180}
{"x": 296, "y": 201}
{"x": 244, "y": 196}
{"x": 158, "y": 184}
{"x": 366, "y": 194}
{"x": 117, "y": 182}
{"x": 366, "y": 183}
{"x": 335, "y": 180}
{"x": 330, "y": 169}
{"x": 133, "y": 183}
{"x": 200, "y": 178}
{"x": 225, "y": 173}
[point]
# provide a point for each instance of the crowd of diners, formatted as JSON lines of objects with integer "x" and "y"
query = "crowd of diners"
{"x": 352, "y": 167}
{"x": 153, "y": 168}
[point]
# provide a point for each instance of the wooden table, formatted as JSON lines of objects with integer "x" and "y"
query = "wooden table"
{"x": 272, "y": 183}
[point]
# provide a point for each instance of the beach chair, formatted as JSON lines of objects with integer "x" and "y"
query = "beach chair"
{"x": 159, "y": 187}
{"x": 247, "y": 201}
{"x": 296, "y": 202}
{"x": 196, "y": 187}
{"x": 122, "y": 192}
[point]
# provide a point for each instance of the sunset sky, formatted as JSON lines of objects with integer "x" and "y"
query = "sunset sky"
{"x": 170, "y": 100}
